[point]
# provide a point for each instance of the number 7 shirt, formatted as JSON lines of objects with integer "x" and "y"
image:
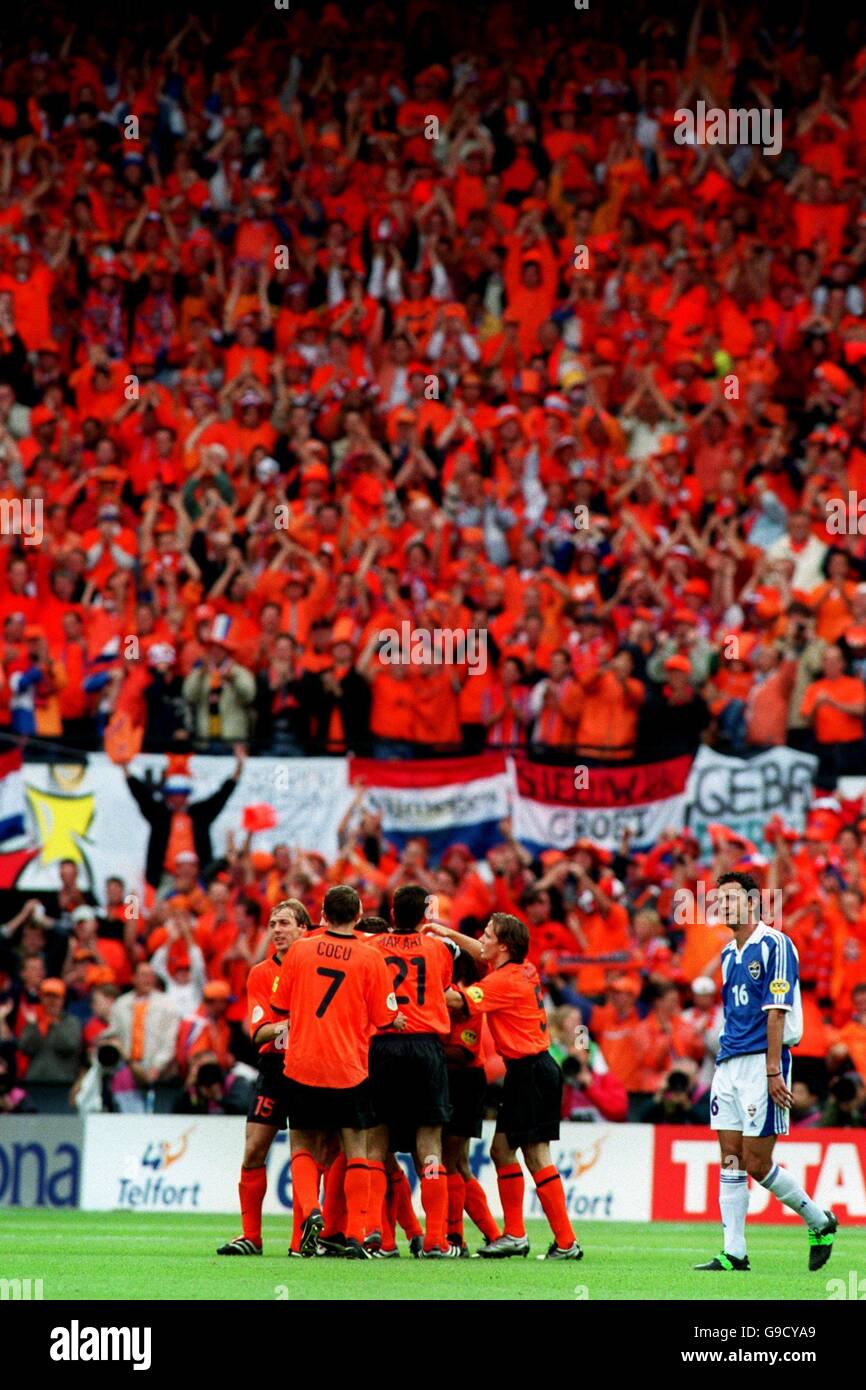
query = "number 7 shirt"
{"x": 511, "y": 998}
{"x": 337, "y": 993}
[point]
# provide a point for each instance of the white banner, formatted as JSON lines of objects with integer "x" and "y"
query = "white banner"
{"x": 744, "y": 794}
{"x": 606, "y": 1172}
{"x": 161, "y": 1163}
{"x": 87, "y": 813}
{"x": 170, "y": 1163}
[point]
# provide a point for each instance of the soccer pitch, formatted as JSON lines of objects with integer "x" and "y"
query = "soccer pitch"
{"x": 123, "y": 1255}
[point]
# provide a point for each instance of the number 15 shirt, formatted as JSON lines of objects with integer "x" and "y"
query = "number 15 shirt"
{"x": 337, "y": 993}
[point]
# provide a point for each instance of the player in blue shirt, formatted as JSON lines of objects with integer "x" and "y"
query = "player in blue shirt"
{"x": 751, "y": 1091}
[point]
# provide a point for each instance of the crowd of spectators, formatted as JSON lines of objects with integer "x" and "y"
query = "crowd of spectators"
{"x": 122, "y": 1002}
{"x": 424, "y": 315}
{"x": 354, "y": 319}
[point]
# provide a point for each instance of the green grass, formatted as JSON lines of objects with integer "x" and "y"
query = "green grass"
{"x": 126, "y": 1255}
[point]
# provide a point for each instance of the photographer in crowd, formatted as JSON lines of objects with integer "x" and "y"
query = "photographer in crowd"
{"x": 675, "y": 1103}
{"x": 209, "y": 1090}
{"x": 108, "y": 1087}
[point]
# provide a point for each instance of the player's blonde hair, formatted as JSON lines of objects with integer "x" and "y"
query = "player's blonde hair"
{"x": 294, "y": 905}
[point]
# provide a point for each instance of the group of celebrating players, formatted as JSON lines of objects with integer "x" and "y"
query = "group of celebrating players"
{"x": 369, "y": 1037}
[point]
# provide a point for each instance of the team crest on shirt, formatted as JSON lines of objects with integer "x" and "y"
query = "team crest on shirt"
{"x": 258, "y": 1012}
{"x": 475, "y": 993}
{"x": 751, "y": 1111}
{"x": 779, "y": 986}
{"x": 755, "y": 969}
{"x": 468, "y": 1037}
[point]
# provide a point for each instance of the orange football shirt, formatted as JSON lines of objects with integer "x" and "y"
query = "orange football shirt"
{"x": 261, "y": 987}
{"x": 420, "y": 969}
{"x": 336, "y": 992}
{"x": 511, "y": 999}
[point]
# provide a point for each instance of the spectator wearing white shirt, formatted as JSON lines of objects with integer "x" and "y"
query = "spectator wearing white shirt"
{"x": 803, "y": 549}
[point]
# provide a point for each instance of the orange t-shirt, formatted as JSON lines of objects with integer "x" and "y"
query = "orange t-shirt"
{"x": 617, "y": 1039}
{"x": 605, "y": 935}
{"x": 336, "y": 992}
{"x": 435, "y": 706}
{"x": 831, "y": 724}
{"x": 393, "y": 714}
{"x": 832, "y": 606}
{"x": 180, "y": 839}
{"x": 421, "y": 968}
{"x": 511, "y": 999}
{"x": 607, "y": 723}
{"x": 261, "y": 987}
{"x": 853, "y": 1037}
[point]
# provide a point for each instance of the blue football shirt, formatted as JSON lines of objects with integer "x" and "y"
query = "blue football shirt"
{"x": 764, "y": 975}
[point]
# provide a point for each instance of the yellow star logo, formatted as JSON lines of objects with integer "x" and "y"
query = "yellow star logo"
{"x": 61, "y": 821}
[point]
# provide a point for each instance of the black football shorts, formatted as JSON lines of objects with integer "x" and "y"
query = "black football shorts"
{"x": 268, "y": 1101}
{"x": 468, "y": 1086}
{"x": 409, "y": 1083}
{"x": 531, "y": 1104}
{"x": 326, "y": 1108}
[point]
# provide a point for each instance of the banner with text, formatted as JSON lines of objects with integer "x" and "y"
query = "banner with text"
{"x": 744, "y": 794}
{"x": 40, "y": 1160}
{"x": 443, "y": 799}
{"x": 178, "y": 1163}
{"x": 829, "y": 1163}
{"x": 555, "y": 806}
{"x": 85, "y": 811}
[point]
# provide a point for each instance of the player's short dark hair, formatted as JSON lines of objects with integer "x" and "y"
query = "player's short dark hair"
{"x": 373, "y": 926}
{"x": 512, "y": 933}
{"x": 748, "y": 882}
{"x": 408, "y": 906}
{"x": 342, "y": 905}
{"x": 466, "y": 969}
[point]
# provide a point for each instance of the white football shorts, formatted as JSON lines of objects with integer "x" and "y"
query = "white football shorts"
{"x": 740, "y": 1100}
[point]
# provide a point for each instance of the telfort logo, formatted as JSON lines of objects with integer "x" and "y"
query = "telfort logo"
{"x": 753, "y": 125}
{"x": 22, "y": 517}
{"x": 76, "y": 1343}
{"x": 438, "y": 646}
